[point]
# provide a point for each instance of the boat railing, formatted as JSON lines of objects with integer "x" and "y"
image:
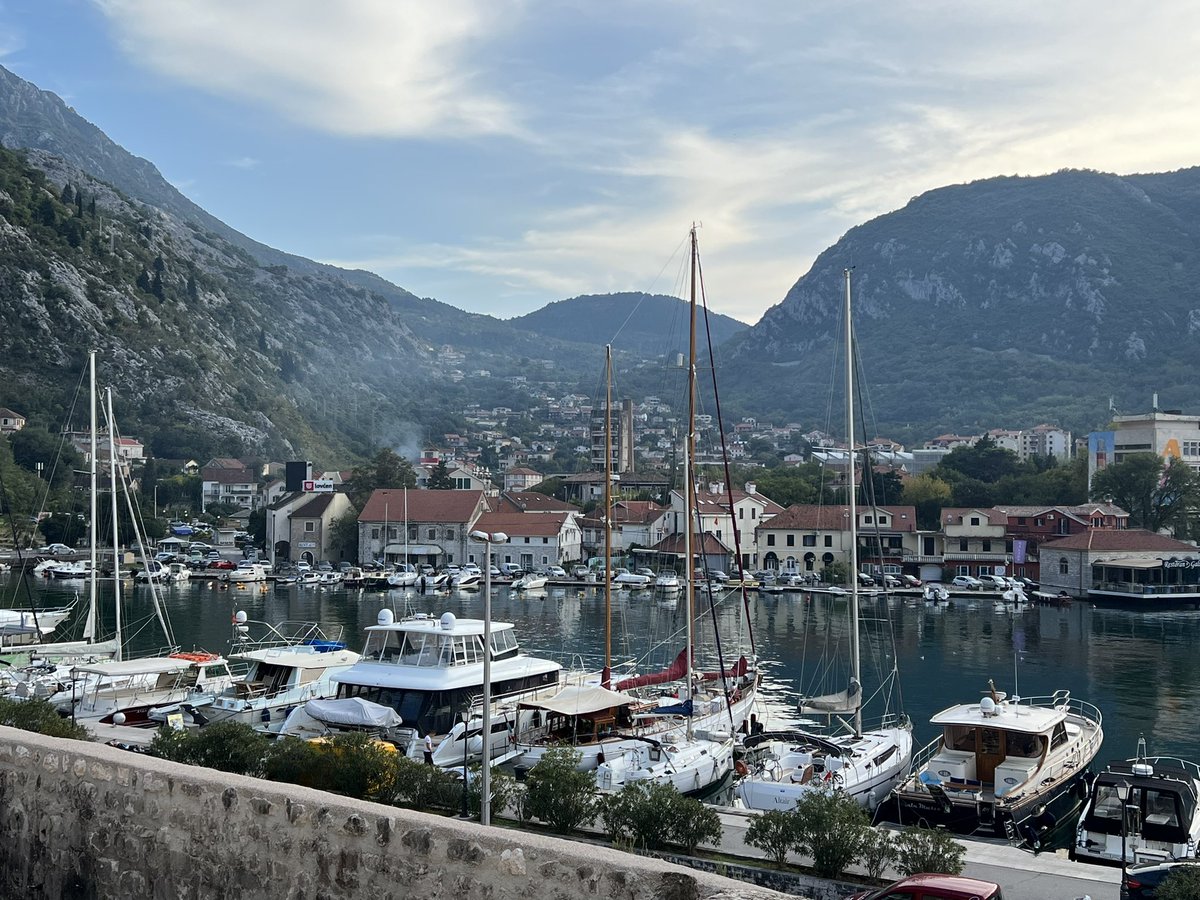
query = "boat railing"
{"x": 282, "y": 635}
{"x": 1062, "y": 700}
{"x": 1193, "y": 769}
{"x": 925, "y": 754}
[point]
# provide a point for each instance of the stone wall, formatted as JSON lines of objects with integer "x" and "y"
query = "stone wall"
{"x": 82, "y": 821}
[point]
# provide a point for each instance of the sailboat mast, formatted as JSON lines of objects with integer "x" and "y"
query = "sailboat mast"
{"x": 607, "y": 515}
{"x": 855, "y": 664}
{"x": 112, "y": 483}
{"x": 489, "y": 560}
{"x": 89, "y": 628}
{"x": 689, "y": 456}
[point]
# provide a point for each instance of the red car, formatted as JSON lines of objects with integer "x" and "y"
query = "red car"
{"x": 222, "y": 564}
{"x": 934, "y": 887}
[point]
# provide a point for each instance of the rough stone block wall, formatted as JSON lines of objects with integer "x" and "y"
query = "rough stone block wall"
{"x": 82, "y": 821}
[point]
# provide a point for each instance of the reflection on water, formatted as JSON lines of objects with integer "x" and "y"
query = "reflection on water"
{"x": 1140, "y": 669}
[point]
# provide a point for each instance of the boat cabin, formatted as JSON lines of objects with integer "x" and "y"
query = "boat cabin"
{"x": 1162, "y": 802}
{"x": 995, "y": 745}
{"x": 579, "y": 714}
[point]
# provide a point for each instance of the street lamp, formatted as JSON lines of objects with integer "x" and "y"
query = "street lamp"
{"x": 485, "y": 785}
{"x": 1122, "y": 788}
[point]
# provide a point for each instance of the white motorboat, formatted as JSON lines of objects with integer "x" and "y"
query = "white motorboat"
{"x": 1161, "y": 810}
{"x": 935, "y": 593}
{"x": 430, "y": 671}
{"x": 667, "y": 582}
{"x": 290, "y": 664}
{"x": 530, "y": 582}
{"x": 246, "y": 573}
{"x": 467, "y": 581}
{"x": 630, "y": 580}
{"x": 404, "y": 576}
{"x": 1014, "y": 768}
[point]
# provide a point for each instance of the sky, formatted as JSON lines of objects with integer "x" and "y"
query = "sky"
{"x": 502, "y": 154}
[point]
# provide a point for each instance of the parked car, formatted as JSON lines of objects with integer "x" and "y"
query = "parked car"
{"x": 1145, "y": 880}
{"x": 716, "y": 575}
{"x": 556, "y": 572}
{"x": 213, "y": 554}
{"x": 892, "y": 581}
{"x": 579, "y": 571}
{"x": 1028, "y": 583}
{"x": 967, "y": 582}
{"x": 865, "y": 580}
{"x": 511, "y": 570}
{"x": 494, "y": 571}
{"x": 221, "y": 564}
{"x": 56, "y": 550}
{"x": 934, "y": 887}
{"x": 910, "y": 580}
{"x": 994, "y": 582}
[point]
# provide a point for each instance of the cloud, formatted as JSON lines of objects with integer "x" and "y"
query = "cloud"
{"x": 364, "y": 68}
{"x": 244, "y": 162}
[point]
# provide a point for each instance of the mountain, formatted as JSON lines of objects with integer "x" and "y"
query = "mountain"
{"x": 646, "y": 324}
{"x": 1000, "y": 303}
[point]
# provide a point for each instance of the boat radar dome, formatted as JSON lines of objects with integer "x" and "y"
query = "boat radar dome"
{"x": 987, "y": 706}
{"x": 1142, "y": 768}
{"x": 240, "y": 617}
{"x": 447, "y": 621}
{"x": 385, "y": 617}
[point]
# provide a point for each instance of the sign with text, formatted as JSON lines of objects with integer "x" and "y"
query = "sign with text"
{"x": 318, "y": 486}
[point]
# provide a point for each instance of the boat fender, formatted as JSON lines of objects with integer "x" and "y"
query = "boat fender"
{"x": 740, "y": 768}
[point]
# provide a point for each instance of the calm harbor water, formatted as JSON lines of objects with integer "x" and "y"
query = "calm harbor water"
{"x": 1142, "y": 670}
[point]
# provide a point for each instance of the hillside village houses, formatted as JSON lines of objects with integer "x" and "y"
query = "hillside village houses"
{"x": 10, "y": 422}
{"x": 420, "y": 526}
{"x": 750, "y": 509}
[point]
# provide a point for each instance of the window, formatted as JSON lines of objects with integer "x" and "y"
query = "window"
{"x": 829, "y": 540}
{"x": 546, "y": 540}
{"x": 791, "y": 540}
{"x": 527, "y": 540}
{"x": 810, "y": 540}
{"x": 770, "y": 540}
{"x": 412, "y": 532}
{"x": 962, "y": 545}
{"x": 987, "y": 546}
{"x": 432, "y": 534}
{"x": 1063, "y": 568}
{"x": 866, "y": 520}
{"x": 753, "y": 513}
{"x": 310, "y": 527}
{"x": 741, "y": 513}
{"x": 375, "y": 534}
{"x": 974, "y": 520}
{"x": 1020, "y": 520}
{"x": 449, "y": 534}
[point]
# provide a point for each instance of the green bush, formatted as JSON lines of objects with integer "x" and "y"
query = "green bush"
{"x": 423, "y": 786}
{"x": 1182, "y": 884}
{"x": 503, "y": 789}
{"x": 355, "y": 765}
{"x": 42, "y": 717}
{"x": 294, "y": 760}
{"x": 928, "y": 850}
{"x": 830, "y": 827}
{"x": 226, "y": 746}
{"x": 774, "y": 833}
{"x": 558, "y": 794}
{"x": 876, "y": 852}
{"x": 646, "y": 815}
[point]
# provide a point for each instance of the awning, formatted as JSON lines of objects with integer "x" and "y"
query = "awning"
{"x": 1130, "y": 563}
{"x": 153, "y": 666}
{"x": 414, "y": 549}
{"x": 580, "y": 700}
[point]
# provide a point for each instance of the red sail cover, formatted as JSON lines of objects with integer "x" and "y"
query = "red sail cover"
{"x": 677, "y": 671}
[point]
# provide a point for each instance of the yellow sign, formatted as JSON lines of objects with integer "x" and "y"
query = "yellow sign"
{"x": 1172, "y": 449}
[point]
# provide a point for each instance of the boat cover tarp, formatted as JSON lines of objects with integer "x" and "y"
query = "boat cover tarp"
{"x": 678, "y": 709}
{"x": 580, "y": 700}
{"x": 354, "y": 712}
{"x": 846, "y": 701}
{"x": 158, "y": 665}
{"x": 676, "y": 671}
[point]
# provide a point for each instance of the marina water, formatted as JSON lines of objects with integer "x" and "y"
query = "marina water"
{"x": 1142, "y": 669}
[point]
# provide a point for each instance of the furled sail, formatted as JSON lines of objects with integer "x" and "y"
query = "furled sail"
{"x": 846, "y": 701}
{"x": 677, "y": 671}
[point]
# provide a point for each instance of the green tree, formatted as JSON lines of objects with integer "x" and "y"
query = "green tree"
{"x": 928, "y": 494}
{"x": 439, "y": 477}
{"x": 40, "y": 716}
{"x": 876, "y": 852}
{"x": 774, "y": 833}
{"x": 386, "y": 470}
{"x": 33, "y": 444}
{"x": 225, "y": 746}
{"x": 67, "y": 195}
{"x": 1154, "y": 494}
{"x": 1183, "y": 883}
{"x": 648, "y": 815}
{"x": 984, "y": 462}
{"x": 558, "y": 793}
{"x": 343, "y": 536}
{"x": 830, "y": 827}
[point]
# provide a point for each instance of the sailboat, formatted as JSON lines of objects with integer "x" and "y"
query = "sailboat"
{"x": 685, "y": 739}
{"x": 23, "y": 631}
{"x": 405, "y": 574}
{"x": 864, "y": 764}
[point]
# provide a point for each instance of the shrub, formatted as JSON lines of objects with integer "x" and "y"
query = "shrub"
{"x": 423, "y": 786}
{"x": 356, "y": 765}
{"x": 42, "y": 717}
{"x": 503, "y": 790}
{"x": 693, "y": 824}
{"x": 557, "y": 793}
{"x": 774, "y": 833}
{"x": 295, "y": 761}
{"x": 830, "y": 827}
{"x": 228, "y": 747}
{"x": 928, "y": 850}
{"x": 1182, "y": 884}
{"x": 876, "y": 851}
{"x": 648, "y": 815}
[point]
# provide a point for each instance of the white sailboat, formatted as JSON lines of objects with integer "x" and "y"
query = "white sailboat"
{"x": 865, "y": 764}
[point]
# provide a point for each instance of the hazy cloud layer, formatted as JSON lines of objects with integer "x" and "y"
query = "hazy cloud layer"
{"x": 596, "y": 133}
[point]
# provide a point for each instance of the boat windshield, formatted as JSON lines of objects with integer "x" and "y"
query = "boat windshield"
{"x": 424, "y": 649}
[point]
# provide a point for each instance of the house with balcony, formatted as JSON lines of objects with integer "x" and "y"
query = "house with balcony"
{"x": 975, "y": 542}
{"x": 310, "y": 527}
{"x": 232, "y": 481}
{"x": 535, "y": 540}
{"x": 809, "y": 538}
{"x": 1128, "y": 567}
{"x": 10, "y": 421}
{"x": 428, "y": 527}
{"x": 635, "y": 523}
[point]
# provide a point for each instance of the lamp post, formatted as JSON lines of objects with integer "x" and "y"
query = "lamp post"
{"x": 1122, "y": 788}
{"x": 485, "y": 784}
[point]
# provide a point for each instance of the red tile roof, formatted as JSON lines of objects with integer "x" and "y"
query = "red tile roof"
{"x": 805, "y": 517}
{"x": 1104, "y": 540}
{"x": 523, "y": 524}
{"x": 423, "y": 506}
{"x": 531, "y": 501}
